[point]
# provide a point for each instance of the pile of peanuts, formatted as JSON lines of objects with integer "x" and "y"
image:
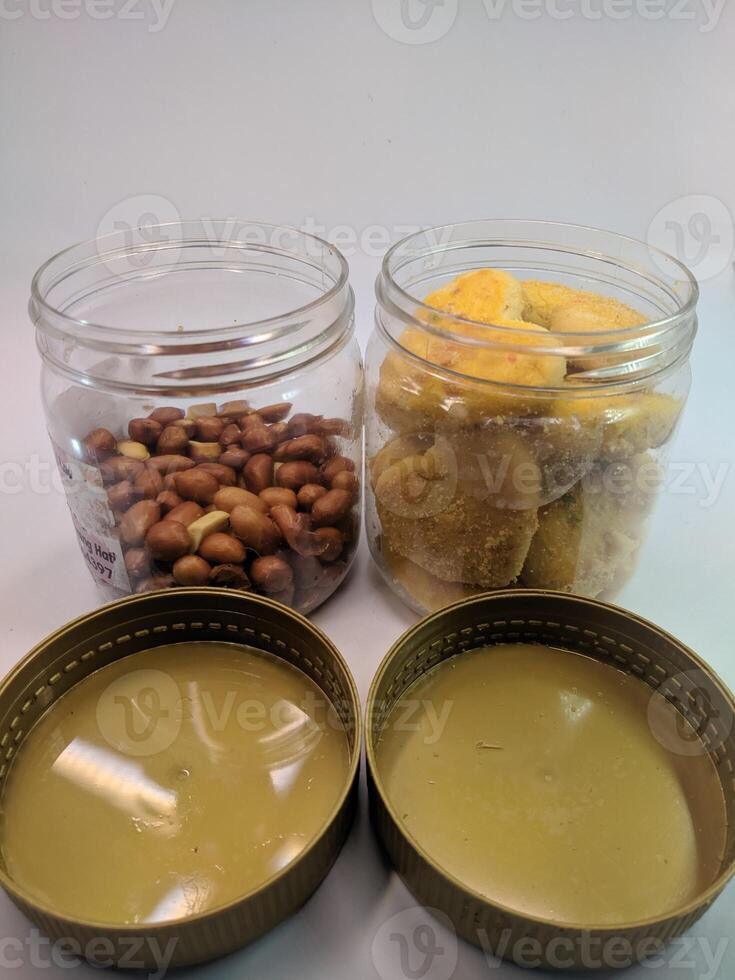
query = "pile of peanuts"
{"x": 232, "y": 496}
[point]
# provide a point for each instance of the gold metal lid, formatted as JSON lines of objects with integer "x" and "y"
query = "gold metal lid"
{"x": 604, "y": 633}
{"x": 138, "y": 623}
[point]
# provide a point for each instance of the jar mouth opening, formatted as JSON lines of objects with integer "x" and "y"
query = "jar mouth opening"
{"x": 438, "y": 241}
{"x": 655, "y": 284}
{"x": 148, "y": 252}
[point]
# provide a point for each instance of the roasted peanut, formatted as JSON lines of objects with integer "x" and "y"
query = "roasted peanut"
{"x": 221, "y": 549}
{"x": 234, "y": 410}
{"x": 310, "y": 447}
{"x": 167, "y": 540}
{"x": 229, "y": 576}
{"x": 333, "y": 427}
{"x": 334, "y": 466}
{"x": 247, "y": 421}
{"x": 204, "y": 410}
{"x": 257, "y": 437}
{"x": 98, "y": 445}
{"x": 172, "y": 441}
{"x": 118, "y": 468}
{"x": 146, "y": 431}
{"x": 148, "y": 484}
{"x": 302, "y": 424}
{"x": 196, "y": 485}
{"x": 188, "y": 425}
{"x": 185, "y": 513}
{"x": 171, "y": 463}
{"x": 137, "y": 520}
{"x": 309, "y": 494}
{"x": 271, "y": 573}
{"x": 224, "y": 474}
{"x": 212, "y": 522}
{"x": 204, "y": 452}
{"x": 121, "y": 495}
{"x": 209, "y": 429}
{"x": 279, "y": 431}
{"x": 234, "y": 457}
{"x": 191, "y": 570}
{"x": 331, "y": 508}
{"x": 166, "y": 415}
{"x": 227, "y": 498}
{"x": 257, "y": 473}
{"x": 278, "y": 495}
{"x": 133, "y": 450}
{"x": 255, "y": 529}
{"x": 346, "y": 480}
{"x": 335, "y": 542}
{"x": 293, "y": 476}
{"x": 168, "y": 500}
{"x": 137, "y": 563}
{"x": 230, "y": 435}
{"x": 275, "y": 413}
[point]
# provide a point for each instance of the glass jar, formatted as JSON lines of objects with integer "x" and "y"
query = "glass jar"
{"x": 204, "y": 395}
{"x": 524, "y": 381}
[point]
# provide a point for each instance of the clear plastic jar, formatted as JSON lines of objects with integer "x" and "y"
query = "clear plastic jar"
{"x": 518, "y": 416}
{"x": 159, "y": 348}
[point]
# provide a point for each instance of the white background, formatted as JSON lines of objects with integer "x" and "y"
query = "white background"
{"x": 338, "y": 117}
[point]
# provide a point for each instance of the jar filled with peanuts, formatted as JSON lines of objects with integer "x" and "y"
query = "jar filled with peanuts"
{"x": 204, "y": 396}
{"x": 524, "y": 382}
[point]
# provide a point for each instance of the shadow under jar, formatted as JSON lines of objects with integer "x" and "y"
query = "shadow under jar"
{"x": 524, "y": 381}
{"x": 203, "y": 393}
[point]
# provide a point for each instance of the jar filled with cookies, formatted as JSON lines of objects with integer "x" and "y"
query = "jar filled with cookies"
{"x": 203, "y": 393}
{"x": 524, "y": 380}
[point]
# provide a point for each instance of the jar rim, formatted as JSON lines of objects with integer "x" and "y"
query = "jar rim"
{"x": 386, "y": 272}
{"x": 44, "y": 312}
{"x": 669, "y": 333}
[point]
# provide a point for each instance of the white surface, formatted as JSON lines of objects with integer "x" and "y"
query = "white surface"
{"x": 311, "y": 114}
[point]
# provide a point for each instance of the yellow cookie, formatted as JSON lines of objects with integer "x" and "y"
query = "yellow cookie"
{"x": 424, "y": 591}
{"x": 451, "y": 385}
{"x": 566, "y": 310}
{"x": 460, "y": 381}
{"x": 428, "y": 519}
{"x": 588, "y": 539}
{"x": 485, "y": 295}
{"x": 628, "y": 423}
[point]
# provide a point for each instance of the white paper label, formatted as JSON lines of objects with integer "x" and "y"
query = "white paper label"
{"x": 93, "y": 520}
